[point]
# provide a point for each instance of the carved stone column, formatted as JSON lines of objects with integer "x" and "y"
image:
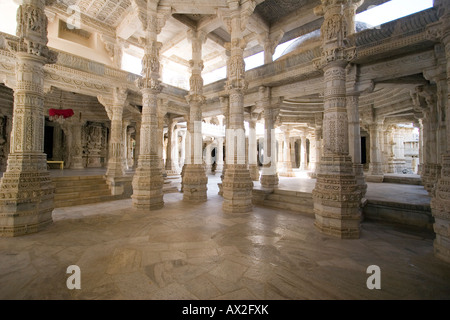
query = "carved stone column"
{"x": 269, "y": 176}
{"x": 440, "y": 202}
{"x": 303, "y": 152}
{"x": 137, "y": 144}
{"x": 115, "y": 167}
{"x": 73, "y": 129}
{"x": 57, "y": 143}
{"x": 375, "y": 167}
{"x": 252, "y": 149}
{"x": 292, "y": 156}
{"x": 183, "y": 148}
{"x": 125, "y": 139}
{"x": 194, "y": 177}
{"x": 219, "y": 155}
{"x": 26, "y": 189}
{"x": 224, "y": 105}
{"x": 237, "y": 183}
{"x": 336, "y": 194}
{"x": 318, "y": 119}
{"x": 148, "y": 180}
{"x": 354, "y": 137}
{"x": 312, "y": 153}
{"x": 286, "y": 170}
{"x": 171, "y": 158}
{"x": 208, "y": 162}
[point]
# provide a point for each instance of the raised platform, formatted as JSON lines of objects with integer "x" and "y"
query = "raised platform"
{"x": 400, "y": 204}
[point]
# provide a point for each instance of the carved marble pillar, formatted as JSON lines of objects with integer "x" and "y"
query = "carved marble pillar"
{"x": 208, "y": 160}
{"x": 375, "y": 167}
{"x": 125, "y": 139}
{"x": 57, "y": 143}
{"x": 115, "y": 167}
{"x": 303, "y": 152}
{"x": 194, "y": 177}
{"x": 440, "y": 202}
{"x": 225, "y": 107}
{"x": 171, "y": 158}
{"x": 399, "y": 150}
{"x": 312, "y": 153}
{"x": 237, "y": 183}
{"x": 148, "y": 180}
{"x": 137, "y": 144}
{"x": 286, "y": 170}
{"x": 161, "y": 146}
{"x": 252, "y": 149}
{"x": 183, "y": 148}
{"x": 292, "y": 156}
{"x": 354, "y": 137}
{"x": 269, "y": 176}
{"x": 73, "y": 129}
{"x": 26, "y": 189}
{"x": 175, "y": 150}
{"x": 280, "y": 150}
{"x": 390, "y": 149}
{"x": 318, "y": 120}
{"x": 219, "y": 155}
{"x": 336, "y": 194}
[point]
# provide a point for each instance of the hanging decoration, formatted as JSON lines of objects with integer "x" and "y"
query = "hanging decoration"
{"x": 59, "y": 115}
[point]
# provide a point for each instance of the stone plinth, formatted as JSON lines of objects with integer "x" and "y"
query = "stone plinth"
{"x": 337, "y": 198}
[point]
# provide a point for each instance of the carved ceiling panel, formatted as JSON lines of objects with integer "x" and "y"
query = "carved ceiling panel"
{"x": 110, "y": 12}
{"x": 274, "y": 10}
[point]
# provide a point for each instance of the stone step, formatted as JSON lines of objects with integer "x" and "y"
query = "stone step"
{"x": 402, "y": 180}
{"x": 299, "y": 202}
{"x": 413, "y": 215}
{"x": 100, "y": 185}
{"x": 85, "y": 200}
{"x": 81, "y": 194}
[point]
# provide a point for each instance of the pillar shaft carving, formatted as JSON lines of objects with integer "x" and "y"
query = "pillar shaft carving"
{"x": 252, "y": 149}
{"x": 440, "y": 201}
{"x": 336, "y": 194}
{"x": 269, "y": 175}
{"x": 194, "y": 177}
{"x": 26, "y": 190}
{"x": 237, "y": 184}
{"x": 148, "y": 179}
{"x": 116, "y": 155}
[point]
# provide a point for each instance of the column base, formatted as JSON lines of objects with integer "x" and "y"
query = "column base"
{"x": 358, "y": 169}
{"x": 195, "y": 183}
{"x": 254, "y": 172}
{"x": 337, "y": 198}
{"x": 286, "y": 170}
{"x": 399, "y": 165}
{"x": 374, "y": 178}
{"x": 77, "y": 163}
{"x": 430, "y": 175}
{"x": 440, "y": 202}
{"x": 26, "y": 196}
{"x": 237, "y": 189}
{"x": 148, "y": 185}
{"x": 269, "y": 181}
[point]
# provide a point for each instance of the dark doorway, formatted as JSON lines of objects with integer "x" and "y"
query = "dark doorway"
{"x": 363, "y": 150}
{"x": 48, "y": 142}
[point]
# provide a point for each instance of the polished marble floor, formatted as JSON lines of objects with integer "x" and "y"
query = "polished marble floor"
{"x": 195, "y": 251}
